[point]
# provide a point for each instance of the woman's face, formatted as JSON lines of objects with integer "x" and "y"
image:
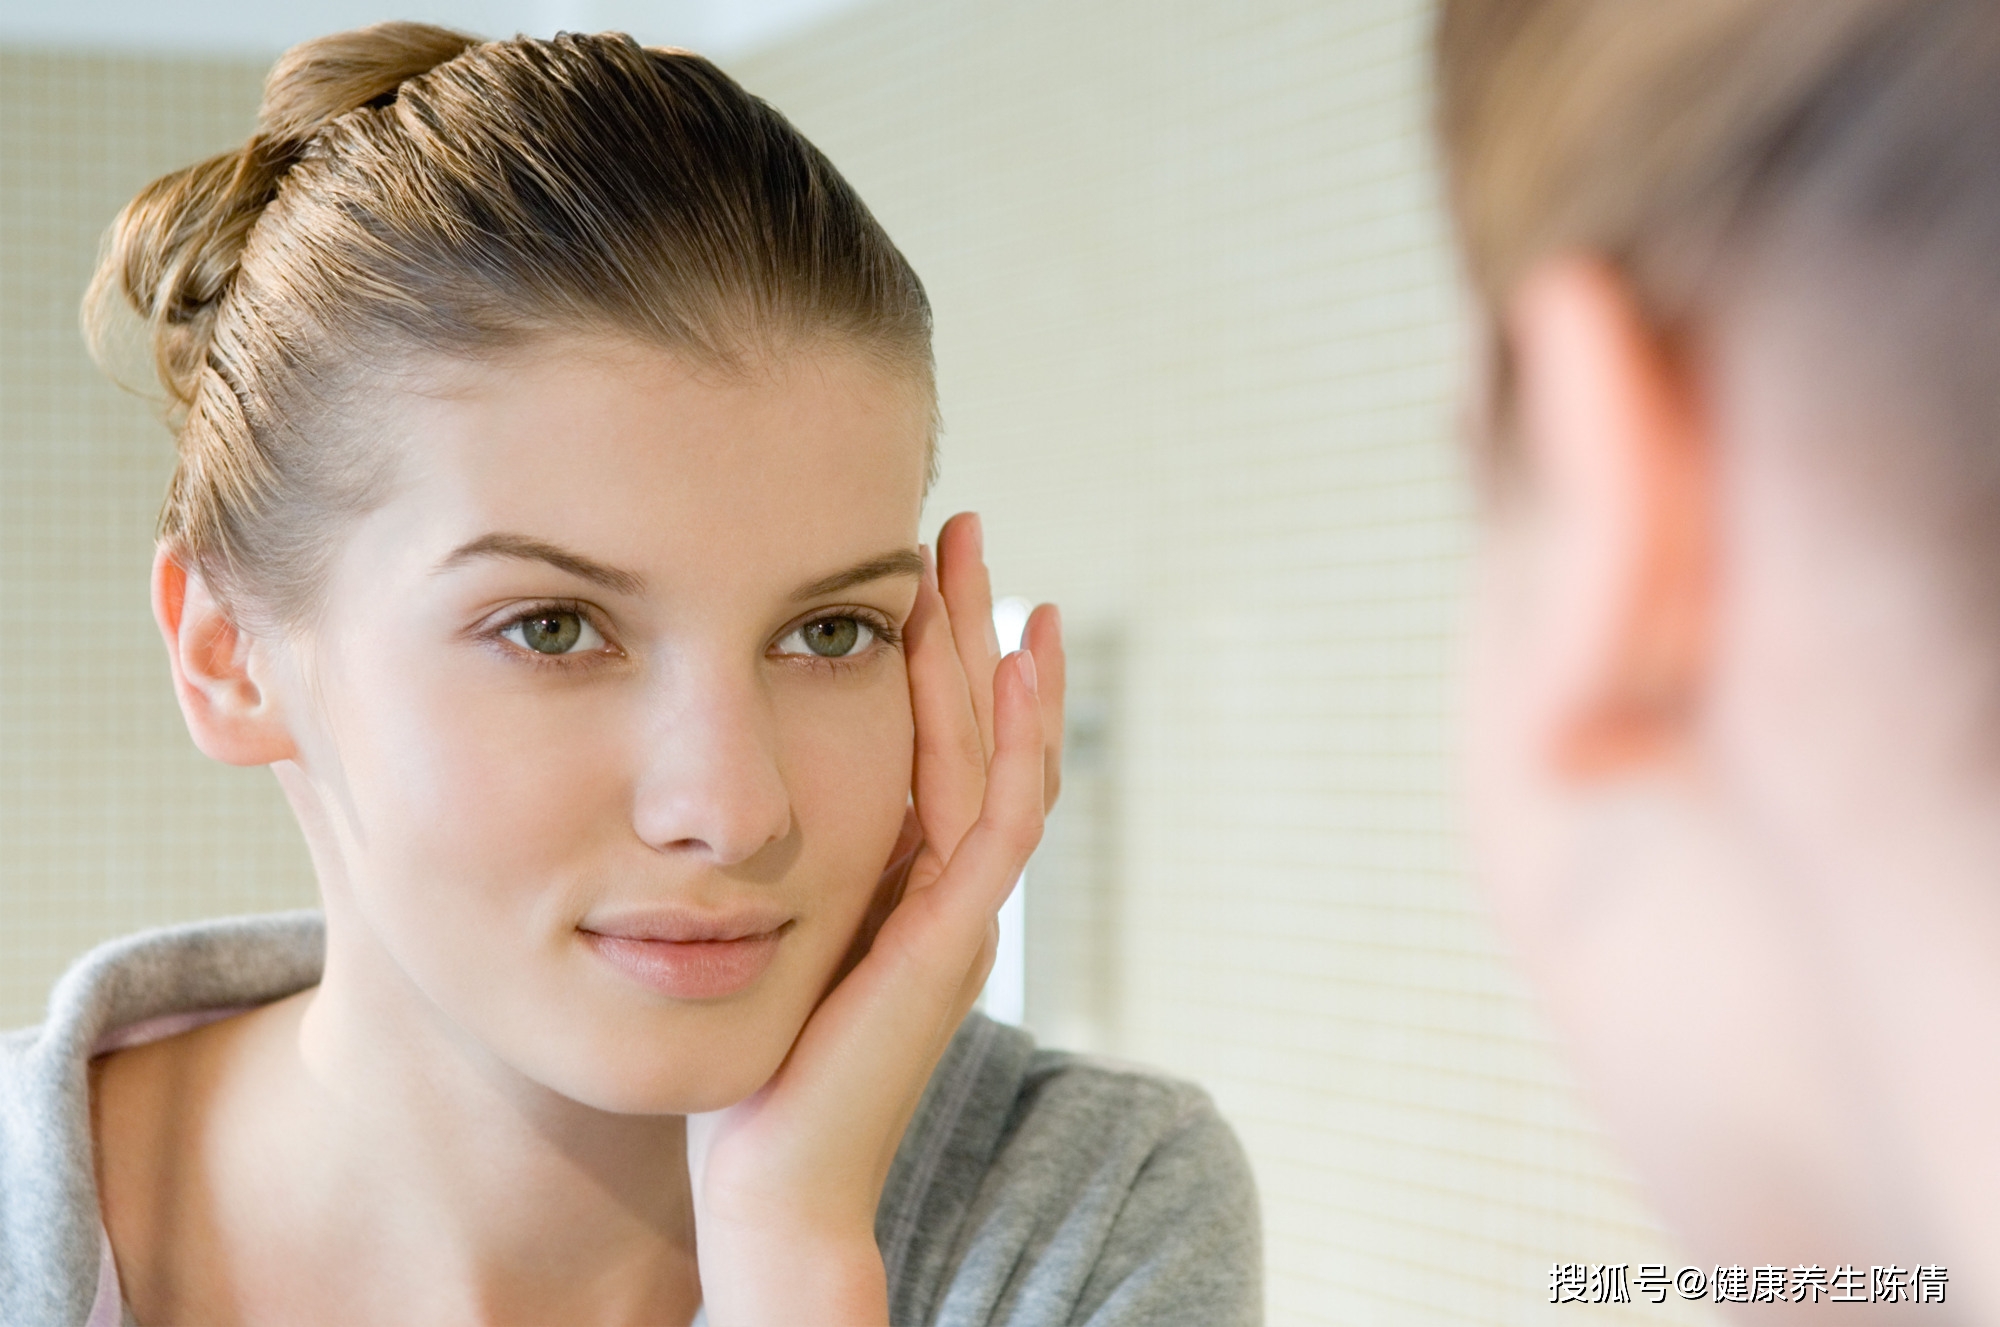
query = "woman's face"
{"x": 603, "y": 730}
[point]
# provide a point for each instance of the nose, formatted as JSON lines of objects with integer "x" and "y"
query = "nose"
{"x": 710, "y": 779}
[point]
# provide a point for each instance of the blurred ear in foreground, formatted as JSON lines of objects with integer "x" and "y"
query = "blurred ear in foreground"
{"x": 1619, "y": 465}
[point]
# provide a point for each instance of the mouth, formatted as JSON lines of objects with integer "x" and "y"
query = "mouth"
{"x": 688, "y": 957}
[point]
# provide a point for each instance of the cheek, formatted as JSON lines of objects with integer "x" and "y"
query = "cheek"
{"x": 848, "y": 770}
{"x": 478, "y": 794}
{"x": 476, "y": 818}
{"x": 1524, "y": 860}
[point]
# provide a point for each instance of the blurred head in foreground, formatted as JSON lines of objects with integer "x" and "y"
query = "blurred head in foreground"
{"x": 1737, "y": 674}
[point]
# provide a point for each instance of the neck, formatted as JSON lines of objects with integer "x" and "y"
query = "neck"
{"x": 368, "y": 1157}
{"x": 1908, "y": 945}
{"x": 1833, "y": 1083}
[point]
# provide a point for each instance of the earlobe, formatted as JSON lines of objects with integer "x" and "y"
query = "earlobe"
{"x": 1622, "y": 458}
{"x": 218, "y": 668}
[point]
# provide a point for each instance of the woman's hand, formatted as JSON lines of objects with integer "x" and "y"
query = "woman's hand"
{"x": 786, "y": 1183}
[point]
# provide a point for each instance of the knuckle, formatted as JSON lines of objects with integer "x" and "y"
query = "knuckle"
{"x": 1020, "y": 831}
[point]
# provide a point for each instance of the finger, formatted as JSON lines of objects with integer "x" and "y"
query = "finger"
{"x": 976, "y": 975}
{"x": 990, "y": 856}
{"x": 904, "y": 999}
{"x": 968, "y": 595}
{"x": 949, "y": 780}
{"x": 912, "y": 987}
{"x": 1012, "y": 809}
{"x": 1043, "y": 639}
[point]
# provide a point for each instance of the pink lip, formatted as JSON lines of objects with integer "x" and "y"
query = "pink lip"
{"x": 688, "y": 956}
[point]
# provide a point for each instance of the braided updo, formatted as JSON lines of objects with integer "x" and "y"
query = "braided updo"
{"x": 412, "y": 192}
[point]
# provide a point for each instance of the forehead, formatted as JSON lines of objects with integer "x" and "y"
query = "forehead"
{"x": 638, "y": 455}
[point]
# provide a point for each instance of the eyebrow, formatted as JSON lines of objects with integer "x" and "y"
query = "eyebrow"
{"x": 902, "y": 562}
{"x": 538, "y": 550}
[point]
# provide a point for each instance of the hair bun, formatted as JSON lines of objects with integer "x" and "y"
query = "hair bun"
{"x": 174, "y": 251}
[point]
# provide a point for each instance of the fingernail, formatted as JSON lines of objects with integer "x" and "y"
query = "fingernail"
{"x": 930, "y": 563}
{"x": 1027, "y": 659}
{"x": 978, "y": 535}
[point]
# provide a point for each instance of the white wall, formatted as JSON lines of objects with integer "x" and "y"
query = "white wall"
{"x": 1197, "y": 344}
{"x": 258, "y": 28}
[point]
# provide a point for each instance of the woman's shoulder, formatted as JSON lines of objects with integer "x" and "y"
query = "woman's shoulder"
{"x": 1070, "y": 1187}
{"x": 145, "y": 987}
{"x": 228, "y": 961}
{"x": 127, "y": 992}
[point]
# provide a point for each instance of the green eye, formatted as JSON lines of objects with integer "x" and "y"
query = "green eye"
{"x": 557, "y": 631}
{"x": 833, "y": 637}
{"x": 829, "y": 638}
{"x": 555, "y": 634}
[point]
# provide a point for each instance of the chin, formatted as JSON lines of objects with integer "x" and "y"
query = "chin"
{"x": 684, "y": 1064}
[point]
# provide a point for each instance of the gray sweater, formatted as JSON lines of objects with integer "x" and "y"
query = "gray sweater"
{"x": 1032, "y": 1187}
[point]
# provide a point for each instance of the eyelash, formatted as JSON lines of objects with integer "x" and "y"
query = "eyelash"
{"x": 887, "y": 635}
{"x": 496, "y": 636}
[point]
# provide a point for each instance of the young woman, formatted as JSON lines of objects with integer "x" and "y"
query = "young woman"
{"x": 554, "y": 423}
{"x": 1738, "y": 674}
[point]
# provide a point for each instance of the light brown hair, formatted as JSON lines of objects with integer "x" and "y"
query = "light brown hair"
{"x": 1689, "y": 141}
{"x": 411, "y": 191}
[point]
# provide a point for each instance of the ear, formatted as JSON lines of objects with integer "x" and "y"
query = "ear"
{"x": 1620, "y": 464}
{"x": 218, "y": 670}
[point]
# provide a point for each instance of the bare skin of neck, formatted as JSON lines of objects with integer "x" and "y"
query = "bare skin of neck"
{"x": 235, "y": 1170}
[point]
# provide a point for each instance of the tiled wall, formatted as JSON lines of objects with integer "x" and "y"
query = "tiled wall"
{"x": 1196, "y": 337}
{"x": 110, "y": 820}
{"x": 1197, "y": 348}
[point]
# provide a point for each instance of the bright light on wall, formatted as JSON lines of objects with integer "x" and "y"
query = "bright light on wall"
{"x": 257, "y": 29}
{"x": 1006, "y": 995}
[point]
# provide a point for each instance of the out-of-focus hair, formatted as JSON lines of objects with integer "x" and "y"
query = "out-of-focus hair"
{"x": 412, "y": 192}
{"x": 1689, "y": 141}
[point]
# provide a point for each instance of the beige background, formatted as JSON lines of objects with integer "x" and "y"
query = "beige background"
{"x": 109, "y": 818}
{"x": 1197, "y": 347}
